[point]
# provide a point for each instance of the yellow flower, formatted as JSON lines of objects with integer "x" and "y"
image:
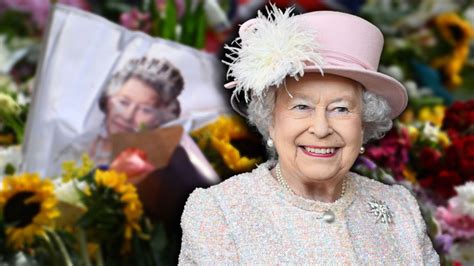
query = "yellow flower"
{"x": 443, "y": 139}
{"x": 458, "y": 33}
{"x": 219, "y": 135}
{"x": 452, "y": 65}
{"x": 28, "y": 205}
{"x": 71, "y": 171}
{"x": 413, "y": 133}
{"x": 407, "y": 116}
{"x": 132, "y": 208}
{"x": 454, "y": 29}
{"x": 409, "y": 174}
{"x": 434, "y": 115}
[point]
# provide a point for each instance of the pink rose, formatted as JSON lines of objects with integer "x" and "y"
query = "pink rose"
{"x": 134, "y": 163}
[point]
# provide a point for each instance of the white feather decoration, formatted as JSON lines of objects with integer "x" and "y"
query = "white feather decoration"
{"x": 270, "y": 49}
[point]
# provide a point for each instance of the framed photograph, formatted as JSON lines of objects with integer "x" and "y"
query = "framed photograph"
{"x": 96, "y": 79}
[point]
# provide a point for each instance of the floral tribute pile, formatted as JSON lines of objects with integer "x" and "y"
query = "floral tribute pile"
{"x": 94, "y": 216}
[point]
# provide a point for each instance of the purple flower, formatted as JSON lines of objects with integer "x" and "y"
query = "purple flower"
{"x": 443, "y": 242}
{"x": 367, "y": 162}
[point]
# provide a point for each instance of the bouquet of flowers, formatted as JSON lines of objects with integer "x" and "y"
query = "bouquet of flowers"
{"x": 89, "y": 216}
{"x": 436, "y": 162}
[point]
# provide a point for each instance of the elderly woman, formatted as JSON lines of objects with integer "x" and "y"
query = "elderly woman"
{"x": 314, "y": 93}
{"x": 142, "y": 95}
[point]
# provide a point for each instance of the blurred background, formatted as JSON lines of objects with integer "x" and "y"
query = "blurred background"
{"x": 430, "y": 150}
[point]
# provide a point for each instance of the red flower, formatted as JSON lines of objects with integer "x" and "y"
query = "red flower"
{"x": 460, "y": 156}
{"x": 441, "y": 183}
{"x": 391, "y": 152}
{"x": 429, "y": 159}
{"x": 459, "y": 116}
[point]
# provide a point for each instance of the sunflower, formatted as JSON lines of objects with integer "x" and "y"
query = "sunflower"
{"x": 458, "y": 33}
{"x": 454, "y": 29}
{"x": 452, "y": 64}
{"x": 132, "y": 207}
{"x": 222, "y": 136}
{"x": 28, "y": 205}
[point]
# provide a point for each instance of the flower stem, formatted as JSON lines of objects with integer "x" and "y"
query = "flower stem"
{"x": 100, "y": 260}
{"x": 50, "y": 247}
{"x": 62, "y": 248}
{"x": 83, "y": 246}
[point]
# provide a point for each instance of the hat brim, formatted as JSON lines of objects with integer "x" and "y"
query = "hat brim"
{"x": 380, "y": 84}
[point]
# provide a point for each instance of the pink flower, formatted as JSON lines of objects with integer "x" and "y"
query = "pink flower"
{"x": 39, "y": 9}
{"x": 457, "y": 225}
{"x": 134, "y": 163}
{"x": 136, "y": 20}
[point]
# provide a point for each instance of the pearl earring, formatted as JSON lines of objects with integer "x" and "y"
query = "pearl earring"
{"x": 362, "y": 150}
{"x": 270, "y": 143}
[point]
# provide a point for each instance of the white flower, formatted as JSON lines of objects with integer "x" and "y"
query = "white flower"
{"x": 69, "y": 191}
{"x": 430, "y": 132}
{"x": 462, "y": 252}
{"x": 469, "y": 14}
{"x": 414, "y": 91}
{"x": 9, "y": 57}
{"x": 10, "y": 155}
{"x": 394, "y": 71}
{"x": 464, "y": 201}
{"x": 271, "y": 49}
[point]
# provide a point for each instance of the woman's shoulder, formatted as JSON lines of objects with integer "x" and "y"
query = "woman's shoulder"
{"x": 368, "y": 186}
{"x": 396, "y": 197}
{"x": 234, "y": 190}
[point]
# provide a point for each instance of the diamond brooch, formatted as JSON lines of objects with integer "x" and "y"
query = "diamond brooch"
{"x": 381, "y": 211}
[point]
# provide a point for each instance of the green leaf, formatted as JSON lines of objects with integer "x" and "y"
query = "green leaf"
{"x": 170, "y": 21}
{"x": 15, "y": 24}
{"x": 188, "y": 25}
{"x": 156, "y": 20}
{"x": 200, "y": 37}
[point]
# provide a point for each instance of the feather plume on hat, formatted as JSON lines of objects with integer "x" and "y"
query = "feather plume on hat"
{"x": 270, "y": 49}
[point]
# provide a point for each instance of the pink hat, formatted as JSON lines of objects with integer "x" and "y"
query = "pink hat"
{"x": 323, "y": 41}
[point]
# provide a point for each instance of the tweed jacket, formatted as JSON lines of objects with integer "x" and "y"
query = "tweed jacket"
{"x": 252, "y": 219}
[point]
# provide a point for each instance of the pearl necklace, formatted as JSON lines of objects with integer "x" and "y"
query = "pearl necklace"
{"x": 328, "y": 215}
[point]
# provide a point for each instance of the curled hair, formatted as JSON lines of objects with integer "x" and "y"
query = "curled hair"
{"x": 159, "y": 74}
{"x": 375, "y": 115}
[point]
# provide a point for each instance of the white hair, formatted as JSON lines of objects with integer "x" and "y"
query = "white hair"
{"x": 376, "y": 119}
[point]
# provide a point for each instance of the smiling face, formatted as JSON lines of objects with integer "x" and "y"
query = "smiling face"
{"x": 133, "y": 106}
{"x": 317, "y": 132}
